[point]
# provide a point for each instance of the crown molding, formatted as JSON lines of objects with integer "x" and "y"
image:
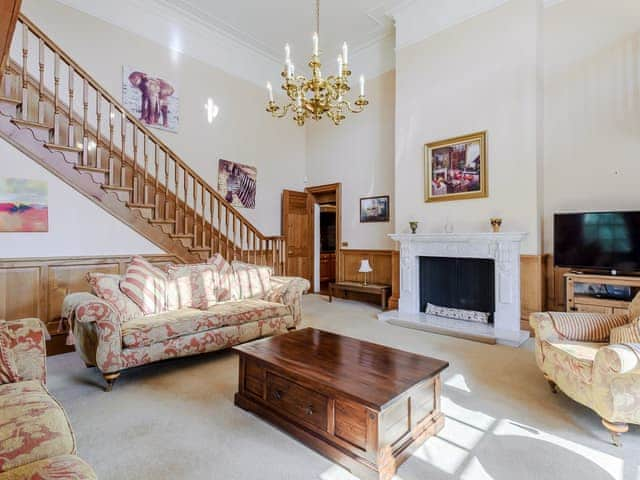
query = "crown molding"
{"x": 439, "y": 15}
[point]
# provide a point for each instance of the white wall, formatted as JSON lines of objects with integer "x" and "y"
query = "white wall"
{"x": 77, "y": 226}
{"x": 242, "y": 132}
{"x": 592, "y": 107}
{"x": 481, "y": 74}
{"x": 359, "y": 154}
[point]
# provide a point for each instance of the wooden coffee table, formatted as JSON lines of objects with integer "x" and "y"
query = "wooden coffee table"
{"x": 365, "y": 406}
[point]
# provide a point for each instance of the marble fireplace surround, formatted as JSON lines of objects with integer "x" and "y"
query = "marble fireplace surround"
{"x": 503, "y": 248}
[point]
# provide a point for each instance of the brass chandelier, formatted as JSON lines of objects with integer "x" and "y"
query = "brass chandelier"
{"x": 317, "y": 96}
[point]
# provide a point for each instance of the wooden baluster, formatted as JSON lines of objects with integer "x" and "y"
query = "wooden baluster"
{"x": 255, "y": 249}
{"x": 211, "y": 236}
{"x": 56, "y": 99}
{"x": 175, "y": 204}
{"x": 98, "y": 128}
{"x": 166, "y": 185}
{"x": 226, "y": 223}
{"x": 186, "y": 202}
{"x": 71, "y": 140}
{"x": 41, "y": 81}
{"x": 123, "y": 146}
{"x": 218, "y": 246}
{"x": 136, "y": 192}
{"x": 284, "y": 254}
{"x": 156, "y": 187}
{"x": 273, "y": 255}
{"x": 195, "y": 212}
{"x": 25, "y": 73}
{"x": 235, "y": 250}
{"x": 241, "y": 240}
{"x": 8, "y": 81}
{"x": 145, "y": 174}
{"x": 85, "y": 133}
{"x": 110, "y": 159}
{"x": 204, "y": 231}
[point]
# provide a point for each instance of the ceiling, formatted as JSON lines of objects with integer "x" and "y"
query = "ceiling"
{"x": 267, "y": 25}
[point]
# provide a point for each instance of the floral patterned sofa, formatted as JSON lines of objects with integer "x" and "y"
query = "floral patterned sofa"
{"x": 36, "y": 440}
{"x": 210, "y": 307}
{"x": 594, "y": 359}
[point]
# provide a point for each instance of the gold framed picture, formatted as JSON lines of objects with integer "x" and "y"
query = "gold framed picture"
{"x": 456, "y": 169}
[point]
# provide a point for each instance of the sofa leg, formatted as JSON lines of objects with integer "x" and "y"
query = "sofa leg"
{"x": 88, "y": 365}
{"x": 110, "y": 378}
{"x": 291, "y": 329}
{"x": 616, "y": 429}
{"x": 552, "y": 385}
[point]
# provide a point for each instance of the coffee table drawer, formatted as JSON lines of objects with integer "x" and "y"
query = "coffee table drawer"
{"x": 297, "y": 401}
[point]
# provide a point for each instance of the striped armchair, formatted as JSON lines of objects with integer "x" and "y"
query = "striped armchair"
{"x": 595, "y": 360}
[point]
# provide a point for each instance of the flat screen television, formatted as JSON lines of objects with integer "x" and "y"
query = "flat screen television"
{"x": 597, "y": 241}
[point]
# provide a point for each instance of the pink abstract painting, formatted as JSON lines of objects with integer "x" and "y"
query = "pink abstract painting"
{"x": 23, "y": 205}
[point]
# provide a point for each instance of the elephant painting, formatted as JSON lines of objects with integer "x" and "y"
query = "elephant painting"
{"x": 155, "y": 103}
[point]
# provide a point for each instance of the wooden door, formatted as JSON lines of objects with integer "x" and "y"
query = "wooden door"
{"x": 297, "y": 227}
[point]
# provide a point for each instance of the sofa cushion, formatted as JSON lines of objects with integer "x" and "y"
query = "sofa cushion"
{"x": 33, "y": 426}
{"x": 192, "y": 286}
{"x": 228, "y": 288}
{"x": 629, "y": 333}
{"x": 575, "y": 358}
{"x": 151, "y": 329}
{"x": 254, "y": 280}
{"x": 8, "y": 368}
{"x": 145, "y": 285}
{"x": 587, "y": 326}
{"x": 54, "y": 468}
{"x": 107, "y": 287}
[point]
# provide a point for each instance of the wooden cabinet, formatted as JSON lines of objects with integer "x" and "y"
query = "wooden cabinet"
{"x": 578, "y": 301}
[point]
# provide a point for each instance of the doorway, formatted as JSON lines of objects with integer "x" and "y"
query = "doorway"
{"x": 311, "y": 223}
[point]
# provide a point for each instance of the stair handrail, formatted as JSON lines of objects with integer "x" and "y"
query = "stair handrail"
{"x": 135, "y": 121}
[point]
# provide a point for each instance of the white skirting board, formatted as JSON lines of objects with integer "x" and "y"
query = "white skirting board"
{"x": 459, "y": 328}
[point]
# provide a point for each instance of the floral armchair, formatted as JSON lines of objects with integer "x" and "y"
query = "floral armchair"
{"x": 595, "y": 360}
{"x": 36, "y": 440}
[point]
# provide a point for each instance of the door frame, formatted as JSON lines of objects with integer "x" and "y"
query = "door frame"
{"x": 317, "y": 190}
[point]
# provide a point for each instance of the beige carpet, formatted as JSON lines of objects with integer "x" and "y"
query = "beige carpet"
{"x": 176, "y": 420}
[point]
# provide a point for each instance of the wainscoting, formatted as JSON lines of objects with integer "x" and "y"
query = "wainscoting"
{"x": 349, "y": 264}
{"x": 36, "y": 287}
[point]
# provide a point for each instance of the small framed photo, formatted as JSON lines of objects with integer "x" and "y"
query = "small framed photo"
{"x": 456, "y": 169}
{"x": 374, "y": 209}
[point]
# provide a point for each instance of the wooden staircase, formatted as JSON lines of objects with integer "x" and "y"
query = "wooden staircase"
{"x": 58, "y": 115}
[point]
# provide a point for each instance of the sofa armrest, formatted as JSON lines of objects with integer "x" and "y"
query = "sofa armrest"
{"x": 544, "y": 328}
{"x": 616, "y": 383}
{"x": 28, "y": 344}
{"x": 103, "y": 317}
{"x": 620, "y": 359}
{"x": 288, "y": 291}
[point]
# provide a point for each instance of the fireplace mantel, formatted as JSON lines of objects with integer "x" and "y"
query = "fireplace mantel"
{"x": 503, "y": 248}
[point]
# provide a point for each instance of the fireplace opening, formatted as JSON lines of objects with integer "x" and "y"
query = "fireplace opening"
{"x": 462, "y": 283}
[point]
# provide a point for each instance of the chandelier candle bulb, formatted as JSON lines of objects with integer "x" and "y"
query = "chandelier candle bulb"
{"x": 315, "y": 44}
{"x": 340, "y": 66}
{"x": 287, "y": 54}
{"x": 345, "y": 53}
{"x": 270, "y": 89}
{"x": 362, "y": 85}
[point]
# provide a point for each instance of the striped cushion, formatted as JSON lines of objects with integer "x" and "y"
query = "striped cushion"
{"x": 8, "y": 368}
{"x": 146, "y": 285}
{"x": 634, "y": 309}
{"x": 254, "y": 280}
{"x": 586, "y": 327}
{"x": 228, "y": 287}
{"x": 629, "y": 333}
{"x": 107, "y": 287}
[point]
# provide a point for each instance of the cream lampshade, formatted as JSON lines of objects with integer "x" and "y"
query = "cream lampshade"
{"x": 365, "y": 268}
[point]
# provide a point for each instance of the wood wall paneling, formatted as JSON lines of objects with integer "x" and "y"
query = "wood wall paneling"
{"x": 380, "y": 261}
{"x": 36, "y": 287}
{"x": 395, "y": 280}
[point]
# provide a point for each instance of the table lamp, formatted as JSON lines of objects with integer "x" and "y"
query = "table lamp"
{"x": 365, "y": 268}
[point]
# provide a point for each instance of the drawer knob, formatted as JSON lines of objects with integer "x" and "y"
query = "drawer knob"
{"x": 310, "y": 410}
{"x": 277, "y": 394}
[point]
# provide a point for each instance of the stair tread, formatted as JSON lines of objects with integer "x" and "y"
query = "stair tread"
{"x": 164, "y": 222}
{"x": 12, "y": 100}
{"x": 117, "y": 187}
{"x": 181, "y": 235}
{"x": 140, "y": 205}
{"x": 30, "y": 123}
{"x": 91, "y": 169}
{"x": 66, "y": 148}
{"x": 199, "y": 249}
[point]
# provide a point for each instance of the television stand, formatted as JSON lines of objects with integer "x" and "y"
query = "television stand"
{"x": 598, "y": 302}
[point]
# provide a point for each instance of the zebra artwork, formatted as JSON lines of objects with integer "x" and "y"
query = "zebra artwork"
{"x": 237, "y": 183}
